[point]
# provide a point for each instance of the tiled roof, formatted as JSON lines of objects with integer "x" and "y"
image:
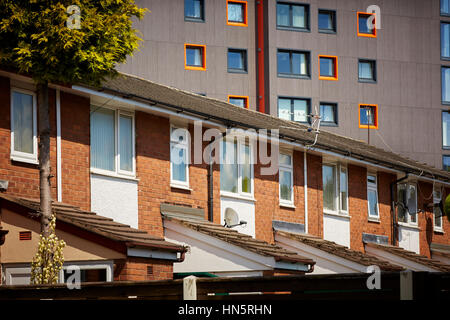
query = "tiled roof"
{"x": 146, "y": 91}
{"x": 239, "y": 239}
{"x": 340, "y": 251}
{"x": 96, "y": 224}
{"x": 412, "y": 256}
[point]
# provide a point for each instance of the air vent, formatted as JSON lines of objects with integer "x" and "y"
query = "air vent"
{"x": 24, "y": 235}
{"x": 149, "y": 270}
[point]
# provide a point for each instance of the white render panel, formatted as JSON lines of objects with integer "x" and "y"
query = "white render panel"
{"x": 245, "y": 210}
{"x": 115, "y": 198}
{"x": 409, "y": 239}
{"x": 336, "y": 229}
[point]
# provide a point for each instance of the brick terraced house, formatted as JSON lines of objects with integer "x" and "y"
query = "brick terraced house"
{"x": 122, "y": 151}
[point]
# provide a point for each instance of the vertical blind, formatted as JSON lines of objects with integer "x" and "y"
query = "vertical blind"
{"x": 102, "y": 139}
{"x": 23, "y": 122}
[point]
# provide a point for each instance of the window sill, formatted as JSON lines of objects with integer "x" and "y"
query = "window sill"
{"x": 25, "y": 160}
{"x": 238, "y": 71}
{"x": 237, "y": 196}
{"x": 374, "y": 220}
{"x": 113, "y": 175}
{"x": 327, "y": 31}
{"x": 287, "y": 205}
{"x": 188, "y": 19}
{"x": 293, "y": 76}
{"x": 440, "y": 231}
{"x": 293, "y": 29}
{"x": 336, "y": 214}
{"x": 179, "y": 186}
{"x": 367, "y": 81}
{"x": 409, "y": 226}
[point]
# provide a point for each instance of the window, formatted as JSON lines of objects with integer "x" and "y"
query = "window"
{"x": 407, "y": 203}
{"x": 328, "y": 67}
{"x": 179, "y": 157}
{"x": 437, "y": 198}
{"x": 293, "y": 63}
{"x": 445, "y": 40}
{"x": 445, "y": 7}
{"x": 292, "y": 16}
{"x": 445, "y": 71}
{"x": 368, "y": 116}
{"x": 372, "y": 196}
{"x": 366, "y": 25}
{"x": 88, "y": 272}
{"x": 367, "y": 71}
{"x": 23, "y": 126}
{"x": 237, "y": 13}
{"x": 327, "y": 21}
{"x": 237, "y": 60}
{"x": 194, "y": 10}
{"x": 294, "y": 109}
{"x": 446, "y": 163}
{"x": 446, "y": 129}
{"x": 328, "y": 114}
{"x": 286, "y": 179}
{"x": 112, "y": 141}
{"x": 335, "y": 188}
{"x": 239, "y": 101}
{"x": 236, "y": 169}
{"x": 195, "y": 57}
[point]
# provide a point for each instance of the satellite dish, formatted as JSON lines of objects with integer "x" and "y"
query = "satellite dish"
{"x": 231, "y": 218}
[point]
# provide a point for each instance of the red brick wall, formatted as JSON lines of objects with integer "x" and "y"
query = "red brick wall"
{"x": 315, "y": 196}
{"x": 137, "y": 269}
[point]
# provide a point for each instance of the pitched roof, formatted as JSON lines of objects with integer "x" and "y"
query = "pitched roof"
{"x": 96, "y": 224}
{"x": 412, "y": 256}
{"x": 239, "y": 239}
{"x": 340, "y": 251}
{"x": 138, "y": 89}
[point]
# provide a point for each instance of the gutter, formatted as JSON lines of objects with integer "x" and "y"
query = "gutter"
{"x": 393, "y": 215}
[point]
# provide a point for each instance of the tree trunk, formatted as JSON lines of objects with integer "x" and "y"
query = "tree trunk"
{"x": 44, "y": 158}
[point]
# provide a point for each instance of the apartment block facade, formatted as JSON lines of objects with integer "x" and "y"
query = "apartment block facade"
{"x": 126, "y": 159}
{"x": 386, "y": 86}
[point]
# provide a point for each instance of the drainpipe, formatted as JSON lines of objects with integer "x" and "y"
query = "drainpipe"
{"x": 58, "y": 146}
{"x": 210, "y": 189}
{"x": 305, "y": 188}
{"x": 260, "y": 54}
{"x": 394, "y": 216}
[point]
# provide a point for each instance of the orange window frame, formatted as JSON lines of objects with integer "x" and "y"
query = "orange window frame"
{"x": 203, "y": 48}
{"x": 368, "y": 35}
{"x": 364, "y": 126}
{"x": 239, "y": 24}
{"x": 335, "y": 78}
{"x": 239, "y": 97}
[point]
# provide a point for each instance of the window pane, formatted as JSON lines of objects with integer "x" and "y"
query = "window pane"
{"x": 446, "y": 129}
{"x": 373, "y": 206}
{"x": 327, "y": 67}
{"x": 367, "y": 115}
{"x": 445, "y": 40}
{"x": 445, "y": 6}
{"x": 446, "y": 163}
{"x": 194, "y": 57}
{"x": 246, "y": 166}
{"x": 327, "y": 112}
{"x": 329, "y": 187}
{"x": 193, "y": 9}
{"x": 23, "y": 122}
{"x": 326, "y": 20}
{"x": 282, "y": 15}
{"x": 300, "y": 110}
{"x": 299, "y": 63}
{"x": 283, "y": 61}
{"x": 445, "y": 84}
{"x": 285, "y": 185}
{"x": 366, "y": 70}
{"x": 179, "y": 160}
{"x": 284, "y": 109}
{"x": 229, "y": 167}
{"x": 126, "y": 143}
{"x": 298, "y": 17}
{"x": 401, "y": 199}
{"x": 285, "y": 159}
{"x": 236, "y": 60}
{"x": 363, "y": 28}
{"x": 240, "y": 102}
{"x": 412, "y": 202}
{"x": 102, "y": 139}
{"x": 343, "y": 189}
{"x": 235, "y": 12}
{"x": 437, "y": 217}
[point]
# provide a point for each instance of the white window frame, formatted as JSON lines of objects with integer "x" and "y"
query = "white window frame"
{"x": 89, "y": 265}
{"x": 290, "y": 169}
{"x": 372, "y": 187}
{"x": 240, "y": 194}
{"x": 339, "y": 211}
{"x": 23, "y": 156}
{"x": 186, "y": 146}
{"x": 437, "y": 199}
{"x": 409, "y": 222}
{"x": 118, "y": 172}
